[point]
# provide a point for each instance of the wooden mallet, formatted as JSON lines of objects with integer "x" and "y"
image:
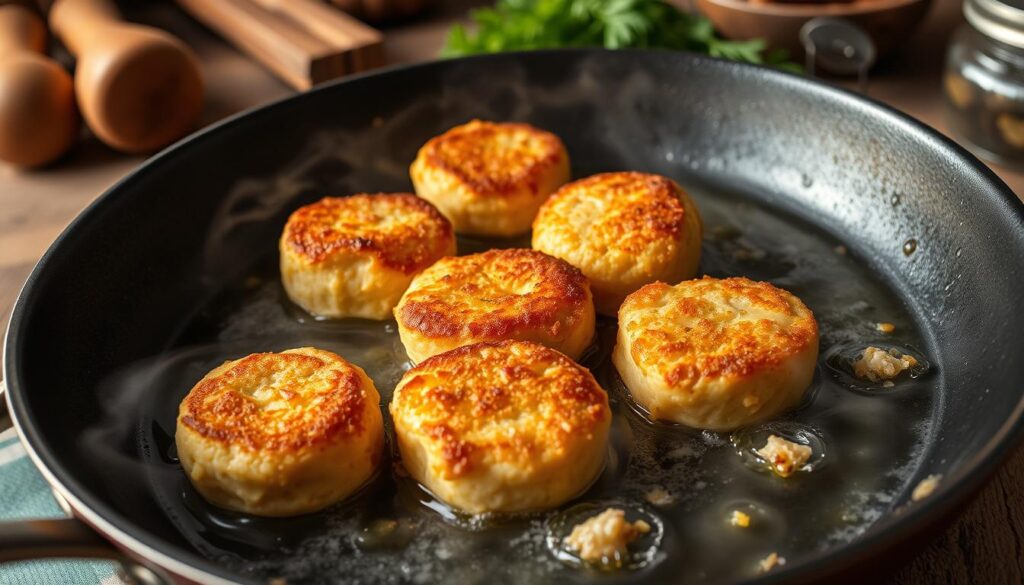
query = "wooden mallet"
{"x": 38, "y": 118}
{"x": 138, "y": 88}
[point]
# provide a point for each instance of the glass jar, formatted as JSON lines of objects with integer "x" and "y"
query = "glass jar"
{"x": 984, "y": 80}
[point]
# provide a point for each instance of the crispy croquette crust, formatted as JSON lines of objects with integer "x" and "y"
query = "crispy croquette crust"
{"x": 280, "y": 434}
{"x": 315, "y": 401}
{"x": 495, "y": 159}
{"x": 490, "y": 178}
{"x": 711, "y": 344}
{"x": 623, "y": 230}
{"x": 463, "y": 401}
{"x": 643, "y": 208}
{"x": 403, "y": 231}
{"x": 494, "y": 294}
{"x": 715, "y": 353}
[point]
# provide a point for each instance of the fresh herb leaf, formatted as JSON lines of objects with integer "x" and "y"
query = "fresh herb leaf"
{"x": 520, "y": 25}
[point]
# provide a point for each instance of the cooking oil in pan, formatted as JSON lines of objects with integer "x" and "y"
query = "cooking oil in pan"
{"x": 689, "y": 485}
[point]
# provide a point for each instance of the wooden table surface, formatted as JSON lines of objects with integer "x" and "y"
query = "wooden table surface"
{"x": 986, "y": 545}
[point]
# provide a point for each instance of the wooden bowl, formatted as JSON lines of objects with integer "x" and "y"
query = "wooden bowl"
{"x": 888, "y": 22}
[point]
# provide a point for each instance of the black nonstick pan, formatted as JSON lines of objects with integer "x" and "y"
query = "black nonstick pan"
{"x": 867, "y": 215}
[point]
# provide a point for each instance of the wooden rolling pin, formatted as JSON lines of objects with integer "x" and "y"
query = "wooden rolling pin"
{"x": 139, "y": 88}
{"x": 304, "y": 42}
{"x": 38, "y": 118}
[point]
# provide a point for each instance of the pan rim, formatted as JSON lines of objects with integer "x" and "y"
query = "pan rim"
{"x": 880, "y": 536}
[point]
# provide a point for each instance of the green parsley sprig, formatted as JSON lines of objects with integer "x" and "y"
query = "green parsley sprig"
{"x": 521, "y": 25}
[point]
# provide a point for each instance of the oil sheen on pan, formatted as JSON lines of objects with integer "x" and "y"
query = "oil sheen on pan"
{"x": 688, "y": 486}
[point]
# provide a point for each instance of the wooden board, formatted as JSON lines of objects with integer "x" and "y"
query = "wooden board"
{"x": 303, "y": 42}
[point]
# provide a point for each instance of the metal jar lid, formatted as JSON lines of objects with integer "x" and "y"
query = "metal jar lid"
{"x": 1001, "y": 20}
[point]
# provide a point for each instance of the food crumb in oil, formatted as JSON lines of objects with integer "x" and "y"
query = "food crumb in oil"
{"x": 605, "y": 538}
{"x": 885, "y": 327}
{"x": 785, "y": 457}
{"x": 659, "y": 496}
{"x": 877, "y": 364}
{"x": 925, "y": 487}
{"x": 841, "y": 250}
{"x": 770, "y": 562}
{"x": 739, "y": 519}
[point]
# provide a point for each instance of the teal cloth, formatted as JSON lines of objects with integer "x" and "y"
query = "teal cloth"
{"x": 25, "y": 494}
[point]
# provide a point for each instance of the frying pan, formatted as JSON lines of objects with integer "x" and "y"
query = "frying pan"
{"x": 119, "y": 284}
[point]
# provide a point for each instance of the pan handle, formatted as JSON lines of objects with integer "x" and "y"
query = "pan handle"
{"x": 52, "y": 538}
{"x": 68, "y": 538}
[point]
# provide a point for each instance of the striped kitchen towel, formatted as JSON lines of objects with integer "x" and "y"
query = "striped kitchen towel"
{"x": 25, "y": 494}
